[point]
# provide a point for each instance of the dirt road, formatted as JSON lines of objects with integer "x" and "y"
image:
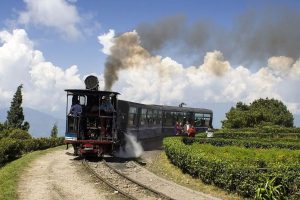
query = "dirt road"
{"x": 58, "y": 176}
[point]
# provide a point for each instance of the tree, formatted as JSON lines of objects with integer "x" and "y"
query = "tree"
{"x": 54, "y": 131}
{"x": 15, "y": 116}
{"x": 259, "y": 112}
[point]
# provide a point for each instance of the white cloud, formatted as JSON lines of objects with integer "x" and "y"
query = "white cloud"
{"x": 107, "y": 41}
{"x": 160, "y": 80}
{"x": 43, "y": 82}
{"x": 214, "y": 63}
{"x": 57, "y": 14}
{"x": 280, "y": 63}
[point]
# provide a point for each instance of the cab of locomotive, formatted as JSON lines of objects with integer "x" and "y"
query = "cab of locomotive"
{"x": 91, "y": 115}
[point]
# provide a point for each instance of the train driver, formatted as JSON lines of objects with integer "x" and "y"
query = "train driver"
{"x": 76, "y": 108}
{"x": 108, "y": 109}
{"x": 106, "y": 105}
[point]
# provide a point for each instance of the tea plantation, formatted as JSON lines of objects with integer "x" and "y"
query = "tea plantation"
{"x": 260, "y": 165}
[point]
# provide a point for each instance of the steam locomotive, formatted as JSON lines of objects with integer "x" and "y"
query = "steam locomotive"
{"x": 95, "y": 130}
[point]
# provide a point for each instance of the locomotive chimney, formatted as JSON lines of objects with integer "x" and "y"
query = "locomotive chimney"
{"x": 91, "y": 83}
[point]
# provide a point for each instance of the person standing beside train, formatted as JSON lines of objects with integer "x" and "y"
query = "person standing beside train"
{"x": 186, "y": 128}
{"x": 191, "y": 131}
{"x": 178, "y": 128}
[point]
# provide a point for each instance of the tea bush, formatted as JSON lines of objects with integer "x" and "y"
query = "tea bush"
{"x": 249, "y": 143}
{"x": 234, "y": 168}
{"x": 260, "y": 132}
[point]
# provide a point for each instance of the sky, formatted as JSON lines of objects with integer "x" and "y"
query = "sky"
{"x": 201, "y": 52}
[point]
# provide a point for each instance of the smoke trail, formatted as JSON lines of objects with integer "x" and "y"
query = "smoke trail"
{"x": 253, "y": 37}
{"x": 132, "y": 149}
{"x": 155, "y": 36}
{"x": 267, "y": 38}
{"x": 124, "y": 53}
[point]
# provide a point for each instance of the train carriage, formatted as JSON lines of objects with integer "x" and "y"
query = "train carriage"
{"x": 155, "y": 121}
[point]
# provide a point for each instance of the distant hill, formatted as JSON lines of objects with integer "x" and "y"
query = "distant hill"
{"x": 40, "y": 123}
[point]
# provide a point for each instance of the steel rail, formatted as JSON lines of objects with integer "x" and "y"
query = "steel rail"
{"x": 107, "y": 182}
{"x": 138, "y": 183}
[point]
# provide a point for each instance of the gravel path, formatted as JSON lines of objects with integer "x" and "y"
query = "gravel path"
{"x": 58, "y": 176}
{"x": 122, "y": 183}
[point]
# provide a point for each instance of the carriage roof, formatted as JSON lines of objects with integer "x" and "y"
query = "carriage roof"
{"x": 168, "y": 108}
{"x": 90, "y": 92}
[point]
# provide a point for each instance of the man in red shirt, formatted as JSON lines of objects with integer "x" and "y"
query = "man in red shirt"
{"x": 191, "y": 131}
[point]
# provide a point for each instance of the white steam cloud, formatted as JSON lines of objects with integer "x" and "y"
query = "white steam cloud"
{"x": 132, "y": 149}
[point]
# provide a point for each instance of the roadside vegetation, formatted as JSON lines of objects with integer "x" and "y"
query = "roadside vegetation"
{"x": 256, "y": 154}
{"x": 10, "y": 173}
{"x": 162, "y": 166}
{"x": 15, "y": 140}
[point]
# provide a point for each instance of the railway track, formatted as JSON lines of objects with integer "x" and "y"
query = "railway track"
{"x": 122, "y": 183}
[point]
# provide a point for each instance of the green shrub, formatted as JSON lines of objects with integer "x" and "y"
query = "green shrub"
{"x": 41, "y": 143}
{"x": 248, "y": 143}
{"x": 234, "y": 168}
{"x": 10, "y": 149}
{"x": 293, "y": 133}
{"x": 19, "y": 134}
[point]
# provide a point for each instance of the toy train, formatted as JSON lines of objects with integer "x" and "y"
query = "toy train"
{"x": 97, "y": 130}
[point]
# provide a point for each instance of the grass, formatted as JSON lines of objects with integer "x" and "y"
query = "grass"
{"x": 10, "y": 173}
{"x": 162, "y": 166}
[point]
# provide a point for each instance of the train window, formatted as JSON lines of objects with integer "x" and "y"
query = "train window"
{"x": 150, "y": 117}
{"x": 159, "y": 117}
{"x": 206, "y": 123}
{"x": 143, "y": 120}
{"x": 199, "y": 119}
{"x": 71, "y": 98}
{"x": 154, "y": 117}
{"x": 168, "y": 118}
{"x": 174, "y": 117}
{"x": 180, "y": 116}
{"x": 82, "y": 100}
{"x": 202, "y": 119}
{"x": 132, "y": 117}
{"x": 206, "y": 115}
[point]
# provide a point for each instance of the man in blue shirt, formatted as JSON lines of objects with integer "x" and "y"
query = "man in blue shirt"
{"x": 107, "y": 106}
{"x": 76, "y": 109}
